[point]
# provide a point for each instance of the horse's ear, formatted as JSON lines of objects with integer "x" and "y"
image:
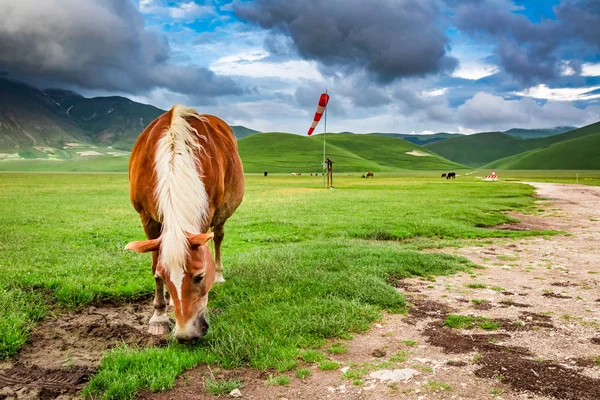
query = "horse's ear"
{"x": 144, "y": 246}
{"x": 200, "y": 238}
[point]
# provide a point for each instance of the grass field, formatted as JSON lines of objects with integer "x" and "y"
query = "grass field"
{"x": 500, "y": 149}
{"x": 302, "y": 264}
{"x": 273, "y": 152}
{"x": 578, "y": 153}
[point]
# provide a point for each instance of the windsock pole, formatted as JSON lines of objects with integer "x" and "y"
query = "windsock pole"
{"x": 324, "y": 147}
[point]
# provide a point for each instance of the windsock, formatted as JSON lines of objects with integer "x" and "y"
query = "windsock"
{"x": 320, "y": 110}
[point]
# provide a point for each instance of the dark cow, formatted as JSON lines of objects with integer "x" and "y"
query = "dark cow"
{"x": 444, "y": 175}
{"x": 451, "y": 175}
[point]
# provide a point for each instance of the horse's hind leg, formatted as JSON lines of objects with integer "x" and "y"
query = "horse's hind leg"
{"x": 159, "y": 323}
{"x": 219, "y": 231}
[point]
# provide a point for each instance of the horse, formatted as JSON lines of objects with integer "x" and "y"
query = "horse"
{"x": 185, "y": 176}
{"x": 451, "y": 175}
{"x": 369, "y": 174}
{"x": 444, "y": 175}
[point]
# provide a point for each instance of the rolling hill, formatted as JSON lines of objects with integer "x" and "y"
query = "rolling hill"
{"x": 536, "y": 133}
{"x": 479, "y": 149}
{"x": 578, "y": 153}
{"x": 485, "y": 148}
{"x": 420, "y": 140}
{"x": 284, "y": 152}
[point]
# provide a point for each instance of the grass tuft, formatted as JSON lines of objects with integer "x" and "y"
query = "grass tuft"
{"x": 467, "y": 322}
{"x": 329, "y": 365}
{"x": 221, "y": 386}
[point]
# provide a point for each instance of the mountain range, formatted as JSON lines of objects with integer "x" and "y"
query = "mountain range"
{"x": 39, "y": 127}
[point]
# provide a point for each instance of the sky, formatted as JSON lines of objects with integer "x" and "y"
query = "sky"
{"x": 407, "y": 66}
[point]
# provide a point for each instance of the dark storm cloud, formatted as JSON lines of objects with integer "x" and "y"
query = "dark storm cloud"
{"x": 534, "y": 51}
{"x": 388, "y": 38}
{"x": 94, "y": 44}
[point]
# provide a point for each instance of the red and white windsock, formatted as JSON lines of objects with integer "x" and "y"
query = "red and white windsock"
{"x": 323, "y": 100}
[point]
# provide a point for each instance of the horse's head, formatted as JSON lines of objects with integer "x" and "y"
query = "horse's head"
{"x": 187, "y": 286}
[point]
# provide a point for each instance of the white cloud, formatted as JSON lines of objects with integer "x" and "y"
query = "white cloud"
{"x": 589, "y": 69}
{"x": 253, "y": 64}
{"x": 474, "y": 70}
{"x": 485, "y": 111}
{"x": 188, "y": 11}
{"x": 559, "y": 94}
{"x": 434, "y": 93}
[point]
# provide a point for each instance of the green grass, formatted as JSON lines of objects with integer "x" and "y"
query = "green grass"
{"x": 338, "y": 348}
{"x": 576, "y": 154}
{"x": 410, "y": 343}
{"x": 222, "y": 386}
{"x": 284, "y": 152}
{"x": 302, "y": 373}
{"x": 479, "y": 149}
{"x": 467, "y": 322}
{"x": 476, "y": 285}
{"x": 434, "y": 386}
{"x": 298, "y": 270}
{"x": 400, "y": 356}
{"x": 328, "y": 365}
{"x": 278, "y": 380}
{"x": 499, "y": 150}
{"x": 312, "y": 356}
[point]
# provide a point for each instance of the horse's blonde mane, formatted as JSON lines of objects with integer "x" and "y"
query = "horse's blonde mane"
{"x": 181, "y": 197}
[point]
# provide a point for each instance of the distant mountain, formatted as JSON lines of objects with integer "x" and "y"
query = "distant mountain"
{"x": 29, "y": 119}
{"x": 537, "y": 133}
{"x": 420, "y": 140}
{"x": 484, "y": 148}
{"x": 109, "y": 121}
{"x": 577, "y": 153}
{"x": 241, "y": 131}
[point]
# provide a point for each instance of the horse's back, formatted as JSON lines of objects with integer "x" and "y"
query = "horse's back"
{"x": 220, "y": 166}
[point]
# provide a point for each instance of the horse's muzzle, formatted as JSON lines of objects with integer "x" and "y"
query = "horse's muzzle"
{"x": 191, "y": 335}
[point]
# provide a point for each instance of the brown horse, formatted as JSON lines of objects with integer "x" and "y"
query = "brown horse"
{"x": 369, "y": 174}
{"x": 185, "y": 176}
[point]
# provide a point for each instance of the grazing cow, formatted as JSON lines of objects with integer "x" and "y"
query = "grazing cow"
{"x": 266, "y": 173}
{"x": 444, "y": 175}
{"x": 451, "y": 175}
{"x": 369, "y": 174}
{"x": 185, "y": 176}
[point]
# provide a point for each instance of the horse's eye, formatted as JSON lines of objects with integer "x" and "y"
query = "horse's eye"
{"x": 198, "y": 278}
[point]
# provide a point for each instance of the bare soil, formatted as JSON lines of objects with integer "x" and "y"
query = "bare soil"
{"x": 64, "y": 351}
{"x": 543, "y": 292}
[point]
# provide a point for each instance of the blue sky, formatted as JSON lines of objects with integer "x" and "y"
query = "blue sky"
{"x": 389, "y": 65}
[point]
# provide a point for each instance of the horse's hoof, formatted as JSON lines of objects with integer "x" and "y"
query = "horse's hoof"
{"x": 219, "y": 278}
{"x": 158, "y": 329}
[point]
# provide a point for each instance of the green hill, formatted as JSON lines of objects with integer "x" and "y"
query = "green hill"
{"x": 420, "y": 140}
{"x": 537, "y": 133}
{"x": 576, "y": 133}
{"x": 284, "y": 152}
{"x": 578, "y": 153}
{"x": 479, "y": 149}
{"x": 485, "y": 148}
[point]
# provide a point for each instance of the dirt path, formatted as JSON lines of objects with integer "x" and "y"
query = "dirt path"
{"x": 543, "y": 293}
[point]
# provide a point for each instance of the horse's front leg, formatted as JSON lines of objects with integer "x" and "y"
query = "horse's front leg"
{"x": 159, "y": 323}
{"x": 219, "y": 231}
